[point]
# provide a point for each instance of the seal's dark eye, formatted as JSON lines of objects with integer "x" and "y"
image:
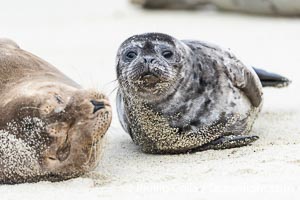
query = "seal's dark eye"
{"x": 131, "y": 55}
{"x": 167, "y": 54}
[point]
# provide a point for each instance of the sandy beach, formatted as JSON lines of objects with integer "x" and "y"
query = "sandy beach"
{"x": 81, "y": 39}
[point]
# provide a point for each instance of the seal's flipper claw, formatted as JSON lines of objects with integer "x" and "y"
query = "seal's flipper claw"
{"x": 228, "y": 142}
{"x": 269, "y": 79}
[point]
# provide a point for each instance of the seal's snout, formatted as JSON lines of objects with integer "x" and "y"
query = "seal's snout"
{"x": 149, "y": 59}
{"x": 98, "y": 105}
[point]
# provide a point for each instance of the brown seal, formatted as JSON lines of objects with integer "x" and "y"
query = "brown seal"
{"x": 50, "y": 128}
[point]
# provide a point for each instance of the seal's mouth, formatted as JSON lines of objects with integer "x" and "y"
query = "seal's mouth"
{"x": 149, "y": 81}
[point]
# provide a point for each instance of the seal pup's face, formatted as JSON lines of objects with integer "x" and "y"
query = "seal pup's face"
{"x": 70, "y": 122}
{"x": 150, "y": 65}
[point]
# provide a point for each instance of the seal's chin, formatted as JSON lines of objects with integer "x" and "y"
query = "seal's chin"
{"x": 148, "y": 82}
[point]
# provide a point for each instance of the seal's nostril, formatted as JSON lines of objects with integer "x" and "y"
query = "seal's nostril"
{"x": 149, "y": 60}
{"x": 97, "y": 105}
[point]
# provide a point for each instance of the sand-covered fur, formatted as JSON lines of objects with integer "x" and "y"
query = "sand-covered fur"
{"x": 49, "y": 128}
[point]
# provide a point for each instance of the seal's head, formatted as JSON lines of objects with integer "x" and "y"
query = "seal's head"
{"x": 76, "y": 124}
{"x": 150, "y": 65}
{"x": 60, "y": 129}
{"x": 50, "y": 127}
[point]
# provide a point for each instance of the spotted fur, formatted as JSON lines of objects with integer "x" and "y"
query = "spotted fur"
{"x": 207, "y": 93}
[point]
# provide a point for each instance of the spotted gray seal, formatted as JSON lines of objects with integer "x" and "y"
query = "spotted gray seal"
{"x": 177, "y": 96}
{"x": 269, "y": 7}
{"x": 50, "y": 127}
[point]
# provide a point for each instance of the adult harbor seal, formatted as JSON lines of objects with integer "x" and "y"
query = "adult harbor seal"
{"x": 50, "y": 128}
{"x": 177, "y": 96}
{"x": 270, "y": 7}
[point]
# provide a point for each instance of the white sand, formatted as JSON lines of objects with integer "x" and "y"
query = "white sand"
{"x": 81, "y": 38}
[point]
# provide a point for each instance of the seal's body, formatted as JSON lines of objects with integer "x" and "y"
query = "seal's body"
{"x": 50, "y": 128}
{"x": 270, "y": 7}
{"x": 176, "y": 96}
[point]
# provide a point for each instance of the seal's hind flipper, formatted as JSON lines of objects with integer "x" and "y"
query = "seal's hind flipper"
{"x": 228, "y": 142}
{"x": 269, "y": 79}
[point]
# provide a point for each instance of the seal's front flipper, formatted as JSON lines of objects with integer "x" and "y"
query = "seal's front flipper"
{"x": 227, "y": 142}
{"x": 269, "y": 79}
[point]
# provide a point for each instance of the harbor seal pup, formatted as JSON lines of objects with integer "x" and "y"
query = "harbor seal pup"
{"x": 50, "y": 127}
{"x": 178, "y": 96}
{"x": 269, "y": 7}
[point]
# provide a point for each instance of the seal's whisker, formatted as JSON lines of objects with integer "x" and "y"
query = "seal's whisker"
{"x": 78, "y": 73}
{"x": 30, "y": 107}
{"x": 90, "y": 153}
{"x": 111, "y": 82}
{"x": 109, "y": 94}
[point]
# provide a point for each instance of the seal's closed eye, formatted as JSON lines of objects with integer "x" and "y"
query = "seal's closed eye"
{"x": 59, "y": 99}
